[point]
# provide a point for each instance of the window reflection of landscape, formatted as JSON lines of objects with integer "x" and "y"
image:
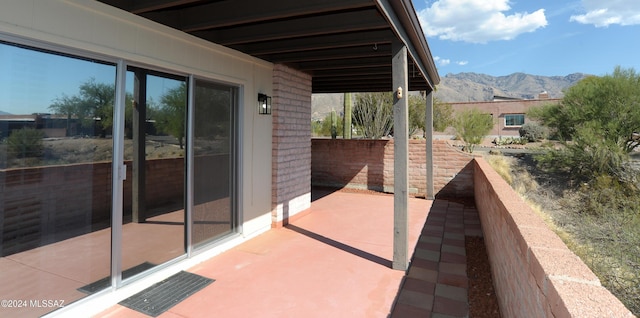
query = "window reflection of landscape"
{"x": 55, "y": 165}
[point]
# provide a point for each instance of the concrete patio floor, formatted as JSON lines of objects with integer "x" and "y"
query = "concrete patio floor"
{"x": 335, "y": 261}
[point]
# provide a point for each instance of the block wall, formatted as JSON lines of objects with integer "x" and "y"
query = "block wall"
{"x": 291, "y": 152}
{"x": 534, "y": 273}
{"x": 368, "y": 164}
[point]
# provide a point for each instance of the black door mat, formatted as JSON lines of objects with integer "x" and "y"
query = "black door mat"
{"x": 106, "y": 282}
{"x": 158, "y": 298}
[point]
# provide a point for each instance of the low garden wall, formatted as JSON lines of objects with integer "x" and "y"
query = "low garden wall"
{"x": 368, "y": 164}
{"x": 534, "y": 273}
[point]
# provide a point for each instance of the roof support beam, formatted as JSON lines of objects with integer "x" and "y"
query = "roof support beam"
{"x": 297, "y": 27}
{"x": 316, "y": 43}
{"x": 143, "y": 6}
{"x": 332, "y": 54}
{"x": 400, "y": 157}
{"x": 405, "y": 27}
{"x": 428, "y": 125}
{"x": 343, "y": 64}
{"x": 238, "y": 12}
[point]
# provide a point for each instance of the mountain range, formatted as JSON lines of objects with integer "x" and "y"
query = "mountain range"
{"x": 472, "y": 87}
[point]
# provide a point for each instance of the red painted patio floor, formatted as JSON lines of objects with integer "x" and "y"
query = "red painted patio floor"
{"x": 336, "y": 262}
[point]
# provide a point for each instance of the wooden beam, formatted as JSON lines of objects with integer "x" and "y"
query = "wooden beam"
{"x": 238, "y": 12}
{"x": 271, "y": 30}
{"x": 428, "y": 127}
{"x": 343, "y": 64}
{"x": 384, "y": 71}
{"x": 400, "y": 157}
{"x": 316, "y": 43}
{"x": 142, "y": 6}
{"x": 361, "y": 51}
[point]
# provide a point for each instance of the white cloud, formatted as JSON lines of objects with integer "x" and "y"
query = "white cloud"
{"x": 444, "y": 62}
{"x": 477, "y": 21}
{"x": 441, "y": 61}
{"x": 605, "y": 13}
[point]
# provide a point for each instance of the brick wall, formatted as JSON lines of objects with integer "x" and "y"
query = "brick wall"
{"x": 368, "y": 164}
{"x": 291, "y": 155}
{"x": 534, "y": 273}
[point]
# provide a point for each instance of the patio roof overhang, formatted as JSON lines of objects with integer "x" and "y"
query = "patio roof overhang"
{"x": 344, "y": 44}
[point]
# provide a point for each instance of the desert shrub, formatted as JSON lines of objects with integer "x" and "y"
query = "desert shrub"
{"x": 510, "y": 141}
{"x": 372, "y": 114}
{"x": 587, "y": 155}
{"x": 533, "y": 132}
{"x": 25, "y": 143}
{"x": 606, "y": 194}
{"x": 442, "y": 115}
{"x": 607, "y": 242}
{"x": 472, "y": 126}
{"x": 607, "y": 223}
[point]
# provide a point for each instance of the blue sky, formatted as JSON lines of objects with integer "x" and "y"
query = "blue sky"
{"x": 544, "y": 37}
{"x": 30, "y": 81}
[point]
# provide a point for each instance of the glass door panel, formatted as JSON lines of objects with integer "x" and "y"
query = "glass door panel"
{"x": 56, "y": 115}
{"x": 154, "y": 199}
{"x": 214, "y": 209}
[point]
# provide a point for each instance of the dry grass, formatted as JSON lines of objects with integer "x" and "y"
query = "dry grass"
{"x": 502, "y": 165}
{"x": 59, "y": 151}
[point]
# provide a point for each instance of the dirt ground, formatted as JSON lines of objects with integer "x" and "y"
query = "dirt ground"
{"x": 483, "y": 302}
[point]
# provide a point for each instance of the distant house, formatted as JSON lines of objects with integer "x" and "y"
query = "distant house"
{"x": 509, "y": 113}
{"x": 50, "y": 125}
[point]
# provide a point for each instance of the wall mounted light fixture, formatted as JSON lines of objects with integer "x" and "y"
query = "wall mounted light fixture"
{"x": 264, "y": 104}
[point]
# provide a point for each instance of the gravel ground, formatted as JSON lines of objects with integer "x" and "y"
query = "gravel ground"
{"x": 482, "y": 297}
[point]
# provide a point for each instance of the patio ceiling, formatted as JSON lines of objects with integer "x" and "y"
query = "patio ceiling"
{"x": 344, "y": 44}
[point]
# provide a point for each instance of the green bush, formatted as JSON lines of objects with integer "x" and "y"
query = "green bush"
{"x": 25, "y": 143}
{"x": 533, "y": 132}
{"x": 472, "y": 126}
{"x": 587, "y": 155}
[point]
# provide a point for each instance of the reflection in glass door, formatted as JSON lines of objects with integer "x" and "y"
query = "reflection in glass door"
{"x": 153, "y": 230}
{"x": 56, "y": 114}
{"x": 213, "y": 167}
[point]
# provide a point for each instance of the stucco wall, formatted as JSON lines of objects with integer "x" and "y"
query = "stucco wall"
{"x": 499, "y": 109}
{"x": 105, "y": 32}
{"x": 534, "y": 273}
{"x": 368, "y": 164}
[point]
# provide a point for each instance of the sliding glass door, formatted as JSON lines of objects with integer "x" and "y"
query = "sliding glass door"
{"x": 56, "y": 118}
{"x": 94, "y": 176}
{"x": 153, "y": 229}
{"x": 214, "y": 161}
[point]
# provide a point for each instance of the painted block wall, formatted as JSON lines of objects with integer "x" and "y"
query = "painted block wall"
{"x": 291, "y": 152}
{"x": 368, "y": 164}
{"x": 534, "y": 273}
